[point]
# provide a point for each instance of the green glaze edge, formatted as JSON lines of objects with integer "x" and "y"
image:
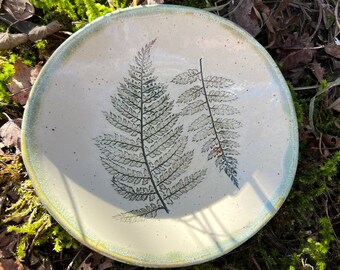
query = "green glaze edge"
{"x": 89, "y": 238}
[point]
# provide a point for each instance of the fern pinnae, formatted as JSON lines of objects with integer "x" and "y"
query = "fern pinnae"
{"x": 165, "y": 159}
{"x": 125, "y": 110}
{"x": 109, "y": 141}
{"x": 220, "y": 95}
{"x": 165, "y": 142}
{"x": 208, "y": 145}
{"x": 149, "y": 211}
{"x": 220, "y": 151}
{"x": 165, "y": 110}
{"x": 190, "y": 94}
{"x": 194, "y": 107}
{"x": 121, "y": 173}
{"x": 146, "y": 157}
{"x": 188, "y": 77}
{"x": 218, "y": 133}
{"x": 224, "y": 109}
{"x": 200, "y": 122}
{"x": 203, "y": 133}
{"x": 176, "y": 170}
{"x": 217, "y": 82}
{"x": 184, "y": 185}
{"x": 161, "y": 129}
{"x": 130, "y": 193}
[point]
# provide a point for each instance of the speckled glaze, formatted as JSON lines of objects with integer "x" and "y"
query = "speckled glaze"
{"x": 227, "y": 173}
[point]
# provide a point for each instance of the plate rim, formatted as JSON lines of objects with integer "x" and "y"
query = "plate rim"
{"x": 33, "y": 105}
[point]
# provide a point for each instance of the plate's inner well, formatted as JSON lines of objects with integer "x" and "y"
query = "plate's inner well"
{"x": 161, "y": 144}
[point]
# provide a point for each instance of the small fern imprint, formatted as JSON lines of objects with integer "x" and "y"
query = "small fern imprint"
{"x": 146, "y": 155}
{"x": 208, "y": 98}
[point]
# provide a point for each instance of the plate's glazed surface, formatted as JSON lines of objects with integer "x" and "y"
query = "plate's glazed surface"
{"x": 161, "y": 136}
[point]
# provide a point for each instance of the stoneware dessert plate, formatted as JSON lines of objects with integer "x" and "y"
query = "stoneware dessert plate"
{"x": 161, "y": 136}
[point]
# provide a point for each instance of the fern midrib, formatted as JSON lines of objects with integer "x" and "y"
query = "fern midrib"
{"x": 142, "y": 139}
{"x": 210, "y": 113}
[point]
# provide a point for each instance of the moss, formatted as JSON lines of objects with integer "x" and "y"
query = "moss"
{"x": 318, "y": 250}
{"x": 11, "y": 171}
{"x": 75, "y": 10}
{"x": 36, "y": 227}
{"x": 60, "y": 6}
{"x": 6, "y": 72}
{"x": 298, "y": 106}
{"x": 331, "y": 168}
{"x": 191, "y": 3}
{"x": 41, "y": 45}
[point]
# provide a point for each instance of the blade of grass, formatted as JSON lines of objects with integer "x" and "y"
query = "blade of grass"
{"x": 312, "y": 102}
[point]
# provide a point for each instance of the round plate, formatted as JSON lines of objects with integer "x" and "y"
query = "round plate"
{"x": 161, "y": 136}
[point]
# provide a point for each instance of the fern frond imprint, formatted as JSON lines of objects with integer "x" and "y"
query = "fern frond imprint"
{"x": 208, "y": 98}
{"x": 146, "y": 154}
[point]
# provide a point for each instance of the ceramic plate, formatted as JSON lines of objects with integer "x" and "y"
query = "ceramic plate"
{"x": 161, "y": 136}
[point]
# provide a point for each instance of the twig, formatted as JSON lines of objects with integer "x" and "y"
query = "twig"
{"x": 319, "y": 20}
{"x": 39, "y": 232}
{"x": 258, "y": 267}
{"x": 75, "y": 257}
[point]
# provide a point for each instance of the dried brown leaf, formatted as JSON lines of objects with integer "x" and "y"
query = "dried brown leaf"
{"x": 318, "y": 71}
{"x": 295, "y": 75}
{"x": 9, "y": 41}
{"x": 39, "y": 261}
{"x": 296, "y": 59}
{"x": 35, "y": 72}
{"x": 10, "y": 264}
{"x": 295, "y": 41}
{"x": 8, "y": 242}
{"x": 96, "y": 261}
{"x": 282, "y": 6}
{"x": 10, "y": 134}
{"x": 335, "y": 105}
{"x": 331, "y": 141}
{"x": 305, "y": 132}
{"x": 41, "y": 32}
{"x": 21, "y": 78}
{"x": 261, "y": 7}
{"x": 21, "y": 82}
{"x": 333, "y": 49}
{"x": 241, "y": 15}
{"x": 19, "y": 9}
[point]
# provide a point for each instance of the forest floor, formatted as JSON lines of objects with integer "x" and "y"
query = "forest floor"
{"x": 301, "y": 36}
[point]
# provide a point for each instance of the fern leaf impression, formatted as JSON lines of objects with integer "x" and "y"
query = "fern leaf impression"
{"x": 146, "y": 153}
{"x": 208, "y": 97}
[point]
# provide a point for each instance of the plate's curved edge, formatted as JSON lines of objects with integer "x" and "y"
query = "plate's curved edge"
{"x": 31, "y": 111}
